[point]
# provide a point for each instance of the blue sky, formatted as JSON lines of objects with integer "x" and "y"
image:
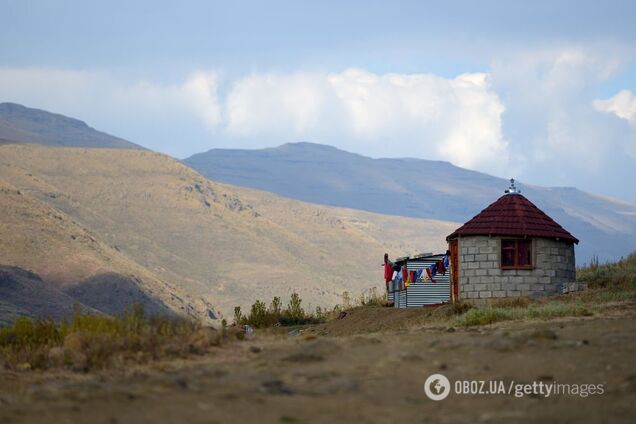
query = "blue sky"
{"x": 542, "y": 90}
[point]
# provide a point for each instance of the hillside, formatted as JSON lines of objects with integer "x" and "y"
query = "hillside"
{"x": 221, "y": 243}
{"x": 24, "y": 293}
{"x": 27, "y": 125}
{"x": 415, "y": 188}
{"x": 49, "y": 262}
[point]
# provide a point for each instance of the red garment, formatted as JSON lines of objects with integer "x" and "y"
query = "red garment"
{"x": 428, "y": 272}
{"x": 412, "y": 273}
{"x": 440, "y": 267}
{"x": 405, "y": 274}
{"x": 388, "y": 272}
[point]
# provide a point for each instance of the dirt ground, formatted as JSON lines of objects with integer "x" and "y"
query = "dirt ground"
{"x": 327, "y": 374}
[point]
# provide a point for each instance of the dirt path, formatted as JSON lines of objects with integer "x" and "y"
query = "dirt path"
{"x": 356, "y": 379}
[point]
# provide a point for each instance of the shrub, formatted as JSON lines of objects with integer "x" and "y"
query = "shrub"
{"x": 621, "y": 274}
{"x": 293, "y": 314}
{"x": 238, "y": 316}
{"x": 98, "y": 341}
{"x": 372, "y": 298}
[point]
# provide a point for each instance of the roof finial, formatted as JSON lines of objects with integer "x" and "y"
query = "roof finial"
{"x": 512, "y": 189}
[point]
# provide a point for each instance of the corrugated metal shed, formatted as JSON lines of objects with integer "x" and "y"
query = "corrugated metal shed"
{"x": 421, "y": 292}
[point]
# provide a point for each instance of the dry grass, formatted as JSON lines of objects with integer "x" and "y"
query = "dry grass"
{"x": 490, "y": 314}
{"x": 89, "y": 342}
{"x": 619, "y": 275}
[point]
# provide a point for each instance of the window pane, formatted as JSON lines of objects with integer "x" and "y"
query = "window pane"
{"x": 524, "y": 253}
{"x": 507, "y": 252}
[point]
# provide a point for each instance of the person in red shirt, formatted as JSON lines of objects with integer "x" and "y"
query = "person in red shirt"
{"x": 388, "y": 271}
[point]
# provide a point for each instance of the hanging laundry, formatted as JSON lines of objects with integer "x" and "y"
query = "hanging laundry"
{"x": 430, "y": 274}
{"x": 440, "y": 267}
{"x": 447, "y": 260}
{"x": 433, "y": 269}
{"x": 397, "y": 276}
{"x": 388, "y": 272}
{"x": 418, "y": 274}
{"x": 413, "y": 276}
{"x": 398, "y": 281}
{"x": 405, "y": 274}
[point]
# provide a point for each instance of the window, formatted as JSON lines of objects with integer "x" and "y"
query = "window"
{"x": 516, "y": 254}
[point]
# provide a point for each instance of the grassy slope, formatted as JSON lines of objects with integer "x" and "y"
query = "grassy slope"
{"x": 228, "y": 245}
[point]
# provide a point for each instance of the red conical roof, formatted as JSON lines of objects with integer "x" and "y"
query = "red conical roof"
{"x": 513, "y": 215}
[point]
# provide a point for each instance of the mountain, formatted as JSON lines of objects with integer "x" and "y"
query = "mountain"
{"x": 98, "y": 223}
{"x": 415, "y": 188}
{"x": 26, "y": 125}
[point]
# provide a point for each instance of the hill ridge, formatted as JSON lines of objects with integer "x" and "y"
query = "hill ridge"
{"x": 417, "y": 188}
{"x": 23, "y": 124}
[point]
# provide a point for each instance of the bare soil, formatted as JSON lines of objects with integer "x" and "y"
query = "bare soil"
{"x": 340, "y": 373}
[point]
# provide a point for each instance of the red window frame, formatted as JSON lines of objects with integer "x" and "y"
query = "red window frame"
{"x": 519, "y": 250}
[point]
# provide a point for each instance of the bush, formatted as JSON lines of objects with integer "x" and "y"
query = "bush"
{"x": 621, "y": 274}
{"x": 372, "y": 298}
{"x": 293, "y": 314}
{"x": 98, "y": 341}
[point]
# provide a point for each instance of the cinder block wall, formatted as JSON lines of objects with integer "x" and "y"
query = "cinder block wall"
{"x": 480, "y": 275}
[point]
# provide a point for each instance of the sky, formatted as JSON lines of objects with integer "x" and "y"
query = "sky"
{"x": 543, "y": 91}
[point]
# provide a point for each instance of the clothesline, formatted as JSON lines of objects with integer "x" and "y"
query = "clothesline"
{"x": 401, "y": 275}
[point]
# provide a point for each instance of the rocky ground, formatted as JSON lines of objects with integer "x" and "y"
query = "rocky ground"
{"x": 326, "y": 375}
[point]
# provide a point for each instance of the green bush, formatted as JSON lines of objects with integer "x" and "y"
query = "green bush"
{"x": 292, "y": 314}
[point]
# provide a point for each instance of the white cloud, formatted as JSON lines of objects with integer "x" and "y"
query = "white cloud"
{"x": 623, "y": 105}
{"x": 158, "y": 116}
{"x": 553, "y": 128}
{"x": 534, "y": 115}
{"x": 422, "y": 115}
{"x": 287, "y": 106}
{"x": 201, "y": 89}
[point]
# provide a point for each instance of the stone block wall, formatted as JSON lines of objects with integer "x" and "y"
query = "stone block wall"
{"x": 480, "y": 274}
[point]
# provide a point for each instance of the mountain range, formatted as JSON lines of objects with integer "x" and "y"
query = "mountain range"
{"x": 103, "y": 228}
{"x": 416, "y": 188}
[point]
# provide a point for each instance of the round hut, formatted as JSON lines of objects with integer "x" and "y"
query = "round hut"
{"x": 511, "y": 249}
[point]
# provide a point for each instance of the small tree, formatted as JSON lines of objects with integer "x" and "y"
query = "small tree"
{"x": 238, "y": 316}
{"x": 294, "y": 312}
{"x": 258, "y": 315}
{"x": 275, "y": 308}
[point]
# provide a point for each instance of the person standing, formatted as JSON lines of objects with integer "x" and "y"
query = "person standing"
{"x": 388, "y": 271}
